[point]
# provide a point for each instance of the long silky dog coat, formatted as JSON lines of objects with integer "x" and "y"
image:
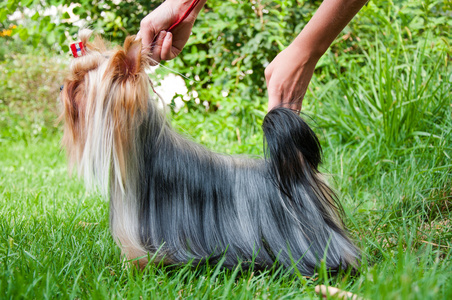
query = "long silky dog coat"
{"x": 174, "y": 200}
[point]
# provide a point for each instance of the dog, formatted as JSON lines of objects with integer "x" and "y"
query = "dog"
{"x": 174, "y": 202}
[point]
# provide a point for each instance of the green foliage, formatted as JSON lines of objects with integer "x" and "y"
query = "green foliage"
{"x": 114, "y": 19}
{"x": 389, "y": 89}
{"x": 399, "y": 93}
{"x": 233, "y": 42}
{"x": 29, "y": 89}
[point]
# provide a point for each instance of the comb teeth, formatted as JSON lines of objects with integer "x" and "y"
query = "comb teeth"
{"x": 77, "y": 49}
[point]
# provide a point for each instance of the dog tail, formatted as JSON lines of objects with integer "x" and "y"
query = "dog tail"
{"x": 293, "y": 154}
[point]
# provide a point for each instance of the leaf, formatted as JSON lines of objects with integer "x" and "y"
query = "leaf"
{"x": 51, "y": 39}
{"x": 23, "y": 34}
{"x": 50, "y": 27}
{"x": 36, "y": 16}
{"x": 26, "y": 3}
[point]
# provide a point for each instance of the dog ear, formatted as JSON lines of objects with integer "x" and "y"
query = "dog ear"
{"x": 128, "y": 61}
{"x": 132, "y": 47}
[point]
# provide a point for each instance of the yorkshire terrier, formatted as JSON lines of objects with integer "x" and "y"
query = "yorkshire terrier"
{"x": 172, "y": 201}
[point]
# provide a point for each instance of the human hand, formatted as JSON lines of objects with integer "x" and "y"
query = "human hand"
{"x": 163, "y": 45}
{"x": 288, "y": 76}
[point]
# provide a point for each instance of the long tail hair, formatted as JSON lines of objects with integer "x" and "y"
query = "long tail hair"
{"x": 293, "y": 154}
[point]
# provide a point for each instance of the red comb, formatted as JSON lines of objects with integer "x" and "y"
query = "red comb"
{"x": 78, "y": 49}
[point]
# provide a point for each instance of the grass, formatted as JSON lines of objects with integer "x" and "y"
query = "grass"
{"x": 384, "y": 118}
{"x": 55, "y": 242}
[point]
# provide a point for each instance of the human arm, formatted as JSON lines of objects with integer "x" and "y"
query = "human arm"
{"x": 153, "y": 28}
{"x": 288, "y": 75}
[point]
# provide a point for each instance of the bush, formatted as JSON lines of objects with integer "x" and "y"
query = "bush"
{"x": 29, "y": 90}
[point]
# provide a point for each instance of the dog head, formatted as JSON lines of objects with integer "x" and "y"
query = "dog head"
{"x": 105, "y": 94}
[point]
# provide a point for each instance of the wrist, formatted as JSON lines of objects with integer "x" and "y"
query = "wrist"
{"x": 305, "y": 52}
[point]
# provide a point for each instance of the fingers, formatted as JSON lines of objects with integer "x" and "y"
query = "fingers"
{"x": 277, "y": 99}
{"x": 283, "y": 96}
{"x": 146, "y": 33}
{"x": 162, "y": 47}
{"x": 167, "y": 45}
{"x": 156, "y": 47}
{"x": 295, "y": 106}
{"x": 286, "y": 83}
{"x": 274, "y": 100}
